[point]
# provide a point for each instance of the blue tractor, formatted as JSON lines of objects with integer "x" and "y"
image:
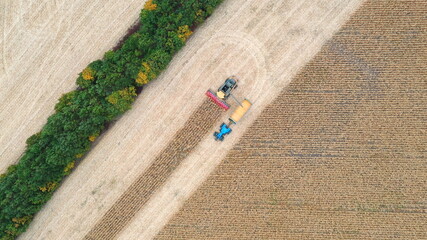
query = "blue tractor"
{"x": 223, "y": 130}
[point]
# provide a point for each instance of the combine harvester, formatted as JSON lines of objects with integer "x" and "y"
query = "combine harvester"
{"x": 223, "y": 93}
{"x": 220, "y": 98}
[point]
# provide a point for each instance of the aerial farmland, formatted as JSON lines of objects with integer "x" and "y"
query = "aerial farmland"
{"x": 330, "y": 142}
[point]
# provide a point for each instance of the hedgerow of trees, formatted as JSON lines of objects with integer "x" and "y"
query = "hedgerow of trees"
{"x": 106, "y": 89}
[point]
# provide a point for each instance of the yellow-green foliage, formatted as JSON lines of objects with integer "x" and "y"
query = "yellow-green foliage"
{"x": 141, "y": 79}
{"x": 143, "y": 75}
{"x": 184, "y": 32}
{"x": 21, "y": 221}
{"x": 122, "y": 99}
{"x": 86, "y": 78}
{"x": 92, "y": 138}
{"x": 69, "y": 166}
{"x": 149, "y": 5}
{"x": 49, "y": 187}
{"x": 146, "y": 67}
{"x": 88, "y": 73}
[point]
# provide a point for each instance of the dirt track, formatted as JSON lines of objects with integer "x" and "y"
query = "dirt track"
{"x": 138, "y": 194}
{"x": 263, "y": 43}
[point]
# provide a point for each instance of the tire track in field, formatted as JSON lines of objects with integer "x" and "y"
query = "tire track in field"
{"x": 132, "y": 200}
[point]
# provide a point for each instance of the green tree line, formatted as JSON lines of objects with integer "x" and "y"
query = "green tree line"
{"x": 106, "y": 89}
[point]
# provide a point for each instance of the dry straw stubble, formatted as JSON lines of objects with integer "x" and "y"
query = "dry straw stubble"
{"x": 341, "y": 153}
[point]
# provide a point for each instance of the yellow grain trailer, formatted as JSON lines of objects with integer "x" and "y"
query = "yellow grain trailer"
{"x": 240, "y": 111}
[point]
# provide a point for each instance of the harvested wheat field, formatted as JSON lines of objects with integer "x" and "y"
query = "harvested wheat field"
{"x": 340, "y": 154}
{"x": 130, "y": 202}
{"x": 250, "y": 39}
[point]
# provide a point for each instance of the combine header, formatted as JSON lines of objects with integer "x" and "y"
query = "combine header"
{"x": 222, "y": 104}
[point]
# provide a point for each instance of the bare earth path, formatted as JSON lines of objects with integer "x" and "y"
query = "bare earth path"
{"x": 43, "y": 46}
{"x": 264, "y": 43}
{"x": 131, "y": 201}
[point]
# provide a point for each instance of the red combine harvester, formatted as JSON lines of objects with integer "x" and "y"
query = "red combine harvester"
{"x": 220, "y": 97}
